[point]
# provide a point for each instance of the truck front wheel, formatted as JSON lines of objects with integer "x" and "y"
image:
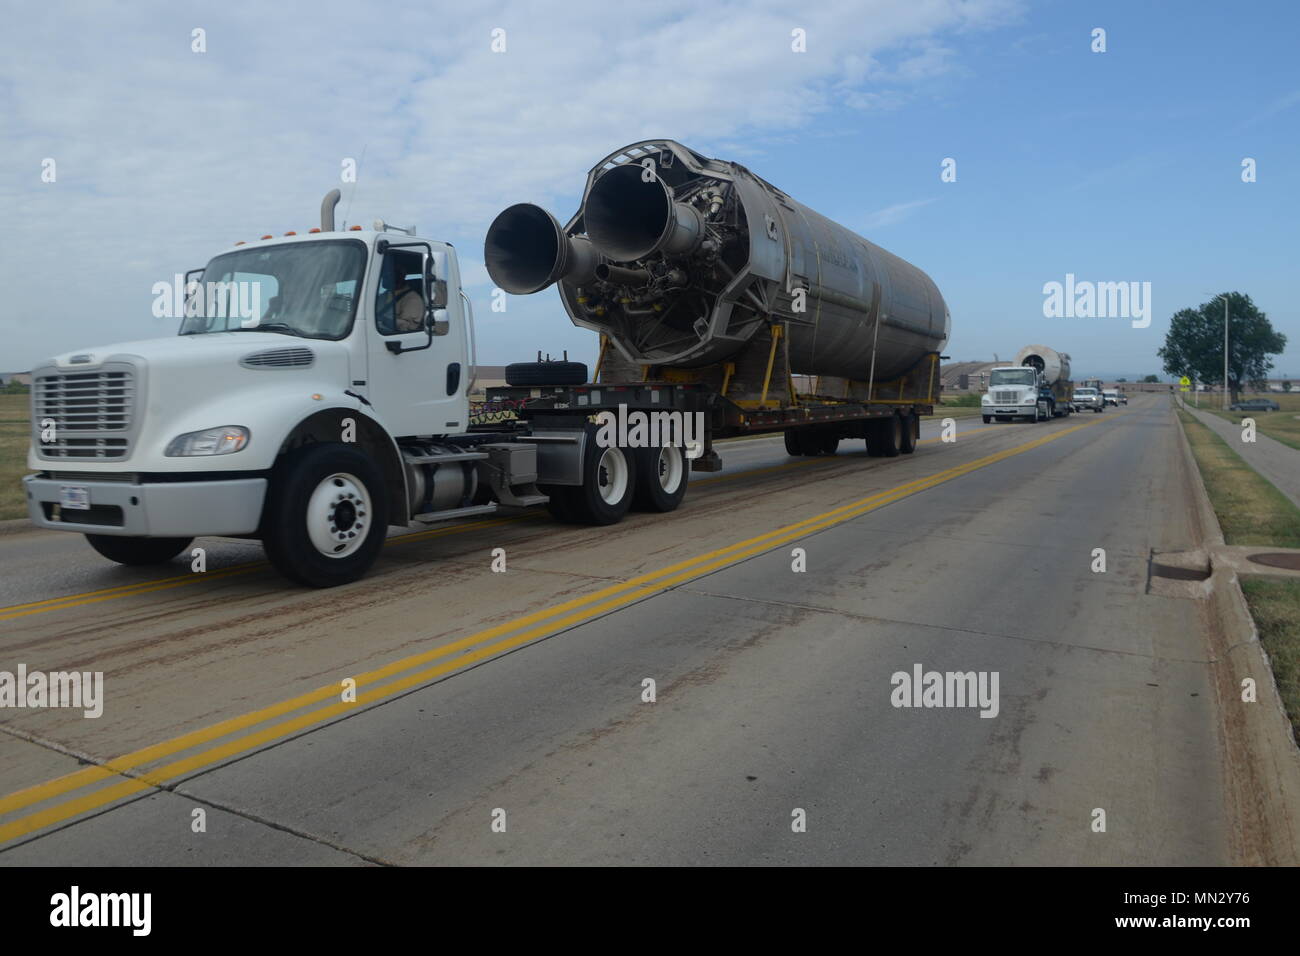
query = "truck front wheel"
{"x": 137, "y": 551}
{"x": 326, "y": 516}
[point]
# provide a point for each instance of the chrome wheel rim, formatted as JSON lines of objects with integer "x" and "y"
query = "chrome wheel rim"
{"x": 338, "y": 515}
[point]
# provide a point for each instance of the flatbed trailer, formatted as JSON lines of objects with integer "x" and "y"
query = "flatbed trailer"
{"x": 884, "y": 414}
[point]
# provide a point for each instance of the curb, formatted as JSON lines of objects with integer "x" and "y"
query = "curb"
{"x": 16, "y": 526}
{"x": 1261, "y": 761}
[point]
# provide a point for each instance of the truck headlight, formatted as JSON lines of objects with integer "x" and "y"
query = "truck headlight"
{"x": 985, "y": 400}
{"x": 211, "y": 441}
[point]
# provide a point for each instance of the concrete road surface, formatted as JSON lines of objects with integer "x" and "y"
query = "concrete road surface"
{"x": 717, "y": 685}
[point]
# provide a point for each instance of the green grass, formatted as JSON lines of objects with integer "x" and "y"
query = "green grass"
{"x": 1283, "y": 425}
{"x": 1252, "y": 512}
{"x": 14, "y": 439}
{"x": 1275, "y": 606}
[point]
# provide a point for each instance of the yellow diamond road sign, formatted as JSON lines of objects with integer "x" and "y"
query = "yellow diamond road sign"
{"x": 1185, "y": 383}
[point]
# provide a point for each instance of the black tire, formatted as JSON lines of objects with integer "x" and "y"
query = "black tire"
{"x": 828, "y": 444}
{"x": 590, "y": 502}
{"x": 884, "y": 437}
{"x": 794, "y": 442}
{"x": 546, "y": 373}
{"x": 560, "y": 502}
{"x": 137, "y": 551}
{"x": 908, "y": 444}
{"x": 987, "y": 419}
{"x": 661, "y": 478}
{"x": 326, "y": 495}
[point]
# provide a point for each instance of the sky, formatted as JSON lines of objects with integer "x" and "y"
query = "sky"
{"x": 1122, "y": 165}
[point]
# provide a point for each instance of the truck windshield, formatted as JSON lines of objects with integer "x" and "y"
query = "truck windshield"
{"x": 308, "y": 289}
{"x": 1011, "y": 376}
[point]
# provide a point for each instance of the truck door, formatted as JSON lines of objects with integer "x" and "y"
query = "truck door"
{"x": 416, "y": 382}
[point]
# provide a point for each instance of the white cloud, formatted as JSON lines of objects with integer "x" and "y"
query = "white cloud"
{"x": 165, "y": 156}
{"x": 892, "y": 215}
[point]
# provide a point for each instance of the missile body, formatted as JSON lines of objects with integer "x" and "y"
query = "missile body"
{"x": 681, "y": 260}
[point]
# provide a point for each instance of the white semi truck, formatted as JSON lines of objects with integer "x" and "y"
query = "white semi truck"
{"x": 332, "y": 403}
{"x": 1036, "y": 388}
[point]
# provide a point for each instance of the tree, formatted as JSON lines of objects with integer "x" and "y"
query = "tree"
{"x": 1286, "y": 386}
{"x": 1151, "y": 380}
{"x": 1194, "y": 343}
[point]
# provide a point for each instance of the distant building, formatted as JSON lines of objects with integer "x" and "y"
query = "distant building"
{"x": 487, "y": 376}
{"x": 961, "y": 377}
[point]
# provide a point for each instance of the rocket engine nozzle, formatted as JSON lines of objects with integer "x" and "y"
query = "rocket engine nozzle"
{"x": 630, "y": 214}
{"x": 526, "y": 250}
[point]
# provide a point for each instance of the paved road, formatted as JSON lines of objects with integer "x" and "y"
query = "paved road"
{"x": 1278, "y": 463}
{"x": 520, "y": 697}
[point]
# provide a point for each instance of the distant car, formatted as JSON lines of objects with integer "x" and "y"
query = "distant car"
{"x": 1257, "y": 405}
{"x": 1110, "y": 397}
{"x": 1123, "y": 398}
{"x": 1089, "y": 398}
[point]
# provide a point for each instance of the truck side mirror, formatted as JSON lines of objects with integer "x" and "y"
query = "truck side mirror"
{"x": 435, "y": 289}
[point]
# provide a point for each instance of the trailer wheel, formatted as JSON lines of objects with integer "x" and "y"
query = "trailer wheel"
{"x": 137, "y": 551}
{"x": 326, "y": 516}
{"x": 907, "y": 444}
{"x": 793, "y": 442}
{"x": 608, "y": 485}
{"x": 885, "y": 437}
{"x": 828, "y": 444}
{"x": 661, "y": 477}
{"x": 546, "y": 373}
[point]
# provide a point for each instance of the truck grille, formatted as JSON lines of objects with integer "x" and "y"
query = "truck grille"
{"x": 1006, "y": 397}
{"x": 91, "y": 413}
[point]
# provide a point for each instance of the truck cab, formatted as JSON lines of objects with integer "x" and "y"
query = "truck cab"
{"x": 1015, "y": 391}
{"x": 309, "y": 370}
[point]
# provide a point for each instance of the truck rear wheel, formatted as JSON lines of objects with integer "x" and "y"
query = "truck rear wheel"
{"x": 828, "y": 444}
{"x": 793, "y": 442}
{"x": 608, "y": 486}
{"x": 326, "y": 516}
{"x": 661, "y": 477}
{"x": 137, "y": 551}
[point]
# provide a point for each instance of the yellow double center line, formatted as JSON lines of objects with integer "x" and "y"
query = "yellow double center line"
{"x": 468, "y": 651}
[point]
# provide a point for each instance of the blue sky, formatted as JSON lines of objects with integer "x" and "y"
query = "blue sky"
{"x": 1115, "y": 166}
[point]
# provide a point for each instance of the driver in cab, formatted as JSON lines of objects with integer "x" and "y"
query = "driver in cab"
{"x": 401, "y": 308}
